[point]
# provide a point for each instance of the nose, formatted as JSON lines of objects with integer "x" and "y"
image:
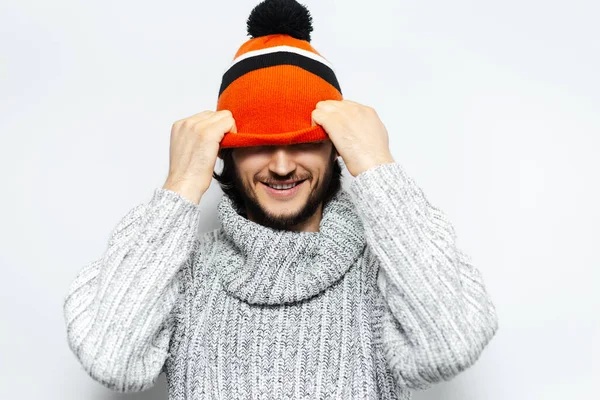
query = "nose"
{"x": 282, "y": 161}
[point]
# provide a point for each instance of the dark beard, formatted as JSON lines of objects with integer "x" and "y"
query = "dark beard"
{"x": 261, "y": 216}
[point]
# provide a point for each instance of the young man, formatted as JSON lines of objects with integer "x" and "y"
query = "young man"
{"x": 307, "y": 290}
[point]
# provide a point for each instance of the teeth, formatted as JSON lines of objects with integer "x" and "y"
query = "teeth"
{"x": 280, "y": 187}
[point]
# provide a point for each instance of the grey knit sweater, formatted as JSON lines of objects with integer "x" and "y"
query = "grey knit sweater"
{"x": 376, "y": 304}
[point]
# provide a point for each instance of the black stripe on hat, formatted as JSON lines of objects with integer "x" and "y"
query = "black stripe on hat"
{"x": 278, "y": 58}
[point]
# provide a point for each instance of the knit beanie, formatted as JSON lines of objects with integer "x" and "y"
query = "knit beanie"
{"x": 276, "y": 79}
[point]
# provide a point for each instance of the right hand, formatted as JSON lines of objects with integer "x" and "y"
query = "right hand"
{"x": 194, "y": 149}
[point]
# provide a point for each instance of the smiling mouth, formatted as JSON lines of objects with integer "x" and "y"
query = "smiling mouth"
{"x": 277, "y": 186}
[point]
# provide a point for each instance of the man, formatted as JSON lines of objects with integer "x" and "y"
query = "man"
{"x": 253, "y": 174}
{"x": 307, "y": 290}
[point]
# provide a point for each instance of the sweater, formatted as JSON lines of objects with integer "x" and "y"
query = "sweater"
{"x": 376, "y": 304}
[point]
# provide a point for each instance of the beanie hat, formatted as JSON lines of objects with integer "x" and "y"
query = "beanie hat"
{"x": 276, "y": 79}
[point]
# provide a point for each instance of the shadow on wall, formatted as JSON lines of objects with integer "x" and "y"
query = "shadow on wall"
{"x": 448, "y": 391}
{"x": 158, "y": 392}
{"x": 444, "y": 390}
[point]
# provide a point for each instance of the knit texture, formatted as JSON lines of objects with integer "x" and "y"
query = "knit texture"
{"x": 271, "y": 88}
{"x": 378, "y": 303}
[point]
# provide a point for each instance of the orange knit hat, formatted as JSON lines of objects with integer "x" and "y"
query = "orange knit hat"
{"x": 276, "y": 79}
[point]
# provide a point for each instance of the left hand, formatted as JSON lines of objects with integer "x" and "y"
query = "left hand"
{"x": 357, "y": 133}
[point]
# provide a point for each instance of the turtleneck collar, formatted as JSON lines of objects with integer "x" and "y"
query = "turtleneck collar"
{"x": 262, "y": 265}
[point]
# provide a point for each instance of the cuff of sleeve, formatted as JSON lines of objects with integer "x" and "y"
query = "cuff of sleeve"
{"x": 173, "y": 200}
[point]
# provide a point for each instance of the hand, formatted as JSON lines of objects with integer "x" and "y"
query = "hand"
{"x": 194, "y": 149}
{"x": 357, "y": 133}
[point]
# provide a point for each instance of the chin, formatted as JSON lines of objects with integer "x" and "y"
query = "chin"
{"x": 282, "y": 205}
{"x": 279, "y": 206}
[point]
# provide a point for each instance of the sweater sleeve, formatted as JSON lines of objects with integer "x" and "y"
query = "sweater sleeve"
{"x": 439, "y": 316}
{"x": 119, "y": 309}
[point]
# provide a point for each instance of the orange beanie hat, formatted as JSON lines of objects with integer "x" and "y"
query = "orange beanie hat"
{"x": 276, "y": 79}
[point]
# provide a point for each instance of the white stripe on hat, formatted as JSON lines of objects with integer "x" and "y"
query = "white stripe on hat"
{"x": 274, "y": 49}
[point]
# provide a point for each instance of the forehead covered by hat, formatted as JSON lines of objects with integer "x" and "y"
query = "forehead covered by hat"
{"x": 276, "y": 79}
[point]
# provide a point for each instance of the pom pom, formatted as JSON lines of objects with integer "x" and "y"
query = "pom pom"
{"x": 280, "y": 16}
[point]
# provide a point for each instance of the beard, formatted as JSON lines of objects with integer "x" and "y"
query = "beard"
{"x": 283, "y": 222}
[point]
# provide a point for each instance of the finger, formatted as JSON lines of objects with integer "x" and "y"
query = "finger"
{"x": 225, "y": 124}
{"x": 193, "y": 118}
{"x": 315, "y": 116}
{"x": 327, "y": 105}
{"x": 221, "y": 114}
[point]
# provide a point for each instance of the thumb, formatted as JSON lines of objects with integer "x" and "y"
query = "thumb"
{"x": 312, "y": 117}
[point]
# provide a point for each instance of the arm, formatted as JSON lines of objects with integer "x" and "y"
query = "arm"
{"x": 439, "y": 316}
{"x": 119, "y": 308}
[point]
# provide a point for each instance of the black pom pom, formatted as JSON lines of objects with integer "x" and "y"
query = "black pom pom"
{"x": 280, "y": 16}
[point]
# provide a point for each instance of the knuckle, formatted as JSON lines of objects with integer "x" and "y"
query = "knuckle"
{"x": 186, "y": 123}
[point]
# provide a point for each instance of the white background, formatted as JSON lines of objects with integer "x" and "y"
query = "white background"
{"x": 492, "y": 107}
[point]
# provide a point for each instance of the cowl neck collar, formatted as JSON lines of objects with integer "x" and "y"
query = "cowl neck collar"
{"x": 262, "y": 265}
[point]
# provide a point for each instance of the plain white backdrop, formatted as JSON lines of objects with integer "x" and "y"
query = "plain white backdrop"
{"x": 492, "y": 107}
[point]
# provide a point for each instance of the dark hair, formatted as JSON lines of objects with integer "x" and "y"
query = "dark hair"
{"x": 227, "y": 179}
